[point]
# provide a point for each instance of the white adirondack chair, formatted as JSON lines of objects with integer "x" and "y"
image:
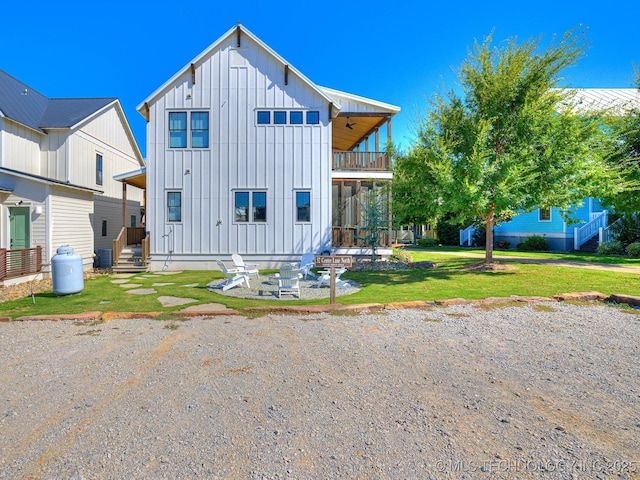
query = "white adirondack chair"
{"x": 249, "y": 268}
{"x": 288, "y": 281}
{"x": 234, "y": 276}
{"x": 324, "y": 278}
{"x": 306, "y": 264}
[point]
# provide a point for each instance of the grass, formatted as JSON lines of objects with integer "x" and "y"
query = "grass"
{"x": 449, "y": 280}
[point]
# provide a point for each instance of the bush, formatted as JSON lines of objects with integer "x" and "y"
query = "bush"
{"x": 633, "y": 249}
{"x": 503, "y": 244}
{"x": 479, "y": 237}
{"x": 401, "y": 255}
{"x": 534, "y": 243}
{"x": 448, "y": 234}
{"x": 427, "y": 242}
{"x": 611, "y": 248}
{"x": 627, "y": 229}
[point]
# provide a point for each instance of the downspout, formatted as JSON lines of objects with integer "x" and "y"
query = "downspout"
{"x": 48, "y": 250}
{"x": 67, "y": 162}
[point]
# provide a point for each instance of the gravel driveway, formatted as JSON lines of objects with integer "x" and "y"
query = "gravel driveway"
{"x": 540, "y": 391}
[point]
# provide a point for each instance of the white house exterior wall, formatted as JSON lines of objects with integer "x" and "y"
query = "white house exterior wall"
{"x": 20, "y": 147}
{"x": 278, "y": 159}
{"x": 110, "y": 209}
{"x": 71, "y": 214}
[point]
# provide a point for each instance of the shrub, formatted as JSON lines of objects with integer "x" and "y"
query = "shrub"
{"x": 503, "y": 244}
{"x": 401, "y": 255}
{"x": 479, "y": 237}
{"x": 633, "y": 249}
{"x": 534, "y": 243}
{"x": 611, "y": 248}
{"x": 448, "y": 233}
{"x": 627, "y": 229}
{"x": 427, "y": 242}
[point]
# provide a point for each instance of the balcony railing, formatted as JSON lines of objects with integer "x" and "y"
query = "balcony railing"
{"x": 348, "y": 237}
{"x": 361, "y": 161}
{"x": 16, "y": 263}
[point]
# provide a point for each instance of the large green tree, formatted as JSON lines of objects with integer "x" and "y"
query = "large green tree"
{"x": 512, "y": 142}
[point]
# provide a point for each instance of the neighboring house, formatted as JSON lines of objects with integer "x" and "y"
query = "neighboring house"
{"x": 591, "y": 219}
{"x": 247, "y": 155}
{"x": 58, "y": 157}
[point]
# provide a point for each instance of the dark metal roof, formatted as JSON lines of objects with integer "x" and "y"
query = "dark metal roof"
{"x": 29, "y": 107}
{"x": 52, "y": 181}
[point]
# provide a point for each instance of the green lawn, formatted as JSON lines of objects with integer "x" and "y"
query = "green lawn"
{"x": 448, "y": 280}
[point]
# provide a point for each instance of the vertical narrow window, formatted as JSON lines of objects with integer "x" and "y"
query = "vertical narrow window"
{"x": 313, "y": 117}
{"x": 280, "y": 118}
{"x": 264, "y": 118}
{"x": 98, "y": 169}
{"x": 544, "y": 214}
{"x": 178, "y": 129}
{"x": 174, "y": 206}
{"x": 200, "y": 129}
{"x": 104, "y": 228}
{"x": 259, "y": 206}
{"x": 242, "y": 206}
{"x": 303, "y": 206}
{"x": 295, "y": 118}
{"x": 132, "y": 219}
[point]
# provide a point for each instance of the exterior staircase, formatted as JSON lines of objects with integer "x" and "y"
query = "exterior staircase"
{"x": 130, "y": 261}
{"x": 591, "y": 245}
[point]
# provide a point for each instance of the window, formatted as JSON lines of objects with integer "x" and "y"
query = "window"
{"x": 178, "y": 129}
{"x": 198, "y": 130}
{"x": 264, "y": 118}
{"x": 295, "y": 118}
{"x": 104, "y": 228}
{"x": 313, "y": 117}
{"x": 280, "y": 118}
{"x": 98, "y": 169}
{"x": 303, "y": 206}
{"x": 250, "y": 207}
{"x": 174, "y": 206}
{"x": 544, "y": 215}
{"x": 132, "y": 219}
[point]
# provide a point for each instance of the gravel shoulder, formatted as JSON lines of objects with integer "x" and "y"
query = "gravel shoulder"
{"x": 548, "y": 390}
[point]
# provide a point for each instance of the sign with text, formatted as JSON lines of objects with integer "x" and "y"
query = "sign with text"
{"x": 333, "y": 261}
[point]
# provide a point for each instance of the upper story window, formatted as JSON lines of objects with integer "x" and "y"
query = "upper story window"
{"x": 197, "y": 130}
{"x": 544, "y": 215}
{"x": 264, "y": 117}
{"x": 98, "y": 169}
{"x": 313, "y": 117}
{"x": 295, "y": 118}
{"x": 280, "y": 118}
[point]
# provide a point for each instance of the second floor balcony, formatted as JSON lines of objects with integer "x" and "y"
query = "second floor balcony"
{"x": 361, "y": 161}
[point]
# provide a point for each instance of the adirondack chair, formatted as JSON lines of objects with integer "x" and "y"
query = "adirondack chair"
{"x": 324, "y": 278}
{"x": 306, "y": 264}
{"x": 234, "y": 276}
{"x": 288, "y": 280}
{"x": 249, "y": 268}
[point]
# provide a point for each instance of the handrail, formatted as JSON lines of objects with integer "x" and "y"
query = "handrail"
{"x": 582, "y": 234}
{"x": 466, "y": 236}
{"x": 604, "y": 233}
{"x": 118, "y": 245}
{"x": 145, "y": 249}
{"x": 358, "y": 161}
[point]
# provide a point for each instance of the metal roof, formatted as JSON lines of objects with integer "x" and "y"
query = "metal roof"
{"x": 29, "y": 107}
{"x": 615, "y": 100}
{"x": 50, "y": 181}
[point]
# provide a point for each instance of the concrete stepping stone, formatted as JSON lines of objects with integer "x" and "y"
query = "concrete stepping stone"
{"x": 142, "y": 291}
{"x": 166, "y": 273}
{"x": 168, "y": 301}
{"x": 208, "y": 309}
{"x": 122, "y": 275}
{"x": 191, "y": 285}
{"x": 149, "y": 276}
{"x": 162, "y": 284}
{"x": 130, "y": 285}
{"x": 120, "y": 280}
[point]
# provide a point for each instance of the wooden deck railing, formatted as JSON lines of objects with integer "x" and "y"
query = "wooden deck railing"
{"x": 348, "y": 237}
{"x": 118, "y": 245}
{"x": 145, "y": 250}
{"x": 361, "y": 161}
{"x": 135, "y": 235}
{"x": 16, "y": 263}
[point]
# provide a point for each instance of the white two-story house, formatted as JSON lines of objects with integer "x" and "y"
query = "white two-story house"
{"x": 247, "y": 155}
{"x": 58, "y": 157}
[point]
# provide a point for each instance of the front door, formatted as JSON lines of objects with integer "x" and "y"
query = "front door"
{"x": 19, "y": 228}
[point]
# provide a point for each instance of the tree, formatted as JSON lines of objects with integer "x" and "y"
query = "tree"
{"x": 512, "y": 143}
{"x": 375, "y": 219}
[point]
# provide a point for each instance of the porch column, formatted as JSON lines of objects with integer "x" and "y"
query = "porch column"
{"x": 389, "y": 130}
{"x": 124, "y": 204}
{"x": 377, "y": 141}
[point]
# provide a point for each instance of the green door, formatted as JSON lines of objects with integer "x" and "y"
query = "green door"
{"x": 19, "y": 228}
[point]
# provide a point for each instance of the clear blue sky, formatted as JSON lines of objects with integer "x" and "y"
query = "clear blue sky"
{"x": 399, "y": 52}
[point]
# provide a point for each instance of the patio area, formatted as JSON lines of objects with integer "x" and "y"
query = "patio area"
{"x": 265, "y": 288}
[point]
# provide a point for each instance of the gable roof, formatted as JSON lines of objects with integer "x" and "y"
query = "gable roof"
{"x": 615, "y": 100}
{"x": 27, "y": 106}
{"x": 214, "y": 46}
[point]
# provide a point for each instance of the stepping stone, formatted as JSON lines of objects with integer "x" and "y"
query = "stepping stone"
{"x": 149, "y": 276}
{"x": 131, "y": 285}
{"x": 209, "y": 309}
{"x": 122, "y": 275}
{"x": 173, "y": 301}
{"x": 122, "y": 280}
{"x": 166, "y": 273}
{"x": 191, "y": 285}
{"x": 142, "y": 291}
{"x": 162, "y": 284}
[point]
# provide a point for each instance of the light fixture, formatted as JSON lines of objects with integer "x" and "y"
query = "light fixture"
{"x": 38, "y": 210}
{"x": 349, "y": 125}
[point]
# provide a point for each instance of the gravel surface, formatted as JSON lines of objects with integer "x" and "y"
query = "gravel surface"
{"x": 549, "y": 390}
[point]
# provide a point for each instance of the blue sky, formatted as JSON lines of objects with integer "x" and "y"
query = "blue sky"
{"x": 395, "y": 52}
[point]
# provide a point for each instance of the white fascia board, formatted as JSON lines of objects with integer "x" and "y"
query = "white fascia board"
{"x": 121, "y": 177}
{"x": 356, "y": 98}
{"x": 215, "y": 45}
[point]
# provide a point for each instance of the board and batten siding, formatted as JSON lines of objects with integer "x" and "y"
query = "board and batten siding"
{"x": 277, "y": 159}
{"x": 20, "y": 147}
